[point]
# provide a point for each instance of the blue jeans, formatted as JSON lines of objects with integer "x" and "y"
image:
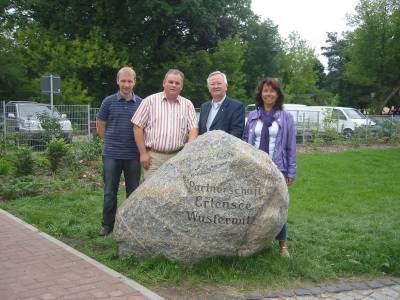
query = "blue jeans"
{"x": 112, "y": 170}
{"x": 282, "y": 235}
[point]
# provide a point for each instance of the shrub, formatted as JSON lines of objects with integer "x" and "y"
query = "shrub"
{"x": 51, "y": 126}
{"x": 8, "y": 143}
{"x": 5, "y": 166}
{"x": 57, "y": 150}
{"x": 42, "y": 163}
{"x": 24, "y": 162}
{"x": 89, "y": 151}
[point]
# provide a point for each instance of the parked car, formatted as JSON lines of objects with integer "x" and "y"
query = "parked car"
{"x": 24, "y": 117}
{"x": 344, "y": 120}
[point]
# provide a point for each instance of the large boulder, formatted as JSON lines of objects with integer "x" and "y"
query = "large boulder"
{"x": 218, "y": 197}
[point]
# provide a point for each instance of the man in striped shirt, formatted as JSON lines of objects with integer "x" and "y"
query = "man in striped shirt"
{"x": 120, "y": 153}
{"x": 163, "y": 123}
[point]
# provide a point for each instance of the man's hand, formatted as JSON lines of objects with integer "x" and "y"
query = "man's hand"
{"x": 145, "y": 160}
{"x": 101, "y": 128}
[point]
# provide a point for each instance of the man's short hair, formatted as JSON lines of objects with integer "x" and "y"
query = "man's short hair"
{"x": 175, "y": 72}
{"x": 126, "y": 70}
{"x": 217, "y": 73}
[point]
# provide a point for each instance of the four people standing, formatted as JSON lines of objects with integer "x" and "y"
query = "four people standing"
{"x": 147, "y": 133}
{"x": 272, "y": 130}
{"x": 221, "y": 112}
{"x": 120, "y": 153}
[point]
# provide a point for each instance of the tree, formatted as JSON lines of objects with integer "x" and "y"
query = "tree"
{"x": 347, "y": 93}
{"x": 79, "y": 62}
{"x": 229, "y": 58}
{"x": 12, "y": 73}
{"x": 298, "y": 74}
{"x": 196, "y": 66}
{"x": 148, "y": 34}
{"x": 263, "y": 47}
{"x": 374, "y": 49}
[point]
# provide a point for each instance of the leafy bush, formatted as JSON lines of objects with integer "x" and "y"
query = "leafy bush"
{"x": 51, "y": 126}
{"x": 57, "y": 150}
{"x": 5, "y": 166}
{"x": 23, "y": 186}
{"x": 42, "y": 162}
{"x": 8, "y": 143}
{"x": 32, "y": 185}
{"x": 88, "y": 151}
{"x": 24, "y": 163}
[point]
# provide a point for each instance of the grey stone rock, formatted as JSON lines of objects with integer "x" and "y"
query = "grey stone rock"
{"x": 387, "y": 282}
{"x": 271, "y": 295}
{"x": 396, "y": 280}
{"x": 287, "y": 293}
{"x": 219, "y": 196}
{"x": 360, "y": 286}
{"x": 332, "y": 289}
{"x": 302, "y": 292}
{"x": 345, "y": 287}
{"x": 375, "y": 284}
{"x": 253, "y": 297}
{"x": 315, "y": 290}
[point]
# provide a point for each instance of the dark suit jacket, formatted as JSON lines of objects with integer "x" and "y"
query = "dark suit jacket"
{"x": 230, "y": 117}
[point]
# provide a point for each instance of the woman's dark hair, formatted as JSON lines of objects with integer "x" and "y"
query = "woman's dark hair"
{"x": 273, "y": 83}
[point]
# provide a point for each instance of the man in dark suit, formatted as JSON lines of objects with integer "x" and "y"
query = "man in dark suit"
{"x": 221, "y": 112}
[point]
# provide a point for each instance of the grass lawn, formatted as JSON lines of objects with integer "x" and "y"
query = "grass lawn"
{"x": 344, "y": 221}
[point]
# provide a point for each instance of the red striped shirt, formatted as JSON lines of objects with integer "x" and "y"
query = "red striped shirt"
{"x": 166, "y": 124}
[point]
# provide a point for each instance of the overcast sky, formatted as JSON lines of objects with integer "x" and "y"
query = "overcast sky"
{"x": 312, "y": 19}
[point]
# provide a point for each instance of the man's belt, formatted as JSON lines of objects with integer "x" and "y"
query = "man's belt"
{"x": 163, "y": 152}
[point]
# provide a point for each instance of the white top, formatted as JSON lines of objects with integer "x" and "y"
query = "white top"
{"x": 273, "y": 133}
{"x": 213, "y": 112}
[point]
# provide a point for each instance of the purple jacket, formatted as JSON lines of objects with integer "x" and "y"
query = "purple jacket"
{"x": 285, "y": 145}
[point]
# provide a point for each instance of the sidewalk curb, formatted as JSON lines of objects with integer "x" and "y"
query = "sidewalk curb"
{"x": 143, "y": 290}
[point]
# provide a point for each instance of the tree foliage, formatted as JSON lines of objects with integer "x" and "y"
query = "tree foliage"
{"x": 374, "y": 49}
{"x": 298, "y": 73}
{"x": 264, "y": 46}
{"x": 87, "y": 42}
{"x": 347, "y": 93}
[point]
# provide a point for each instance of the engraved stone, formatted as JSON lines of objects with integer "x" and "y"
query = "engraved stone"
{"x": 219, "y": 196}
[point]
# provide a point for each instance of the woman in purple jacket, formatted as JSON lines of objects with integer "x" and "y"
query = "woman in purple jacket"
{"x": 272, "y": 129}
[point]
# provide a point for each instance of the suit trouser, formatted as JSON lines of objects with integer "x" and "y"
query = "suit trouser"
{"x": 112, "y": 170}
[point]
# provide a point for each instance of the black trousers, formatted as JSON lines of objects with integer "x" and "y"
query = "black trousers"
{"x": 112, "y": 170}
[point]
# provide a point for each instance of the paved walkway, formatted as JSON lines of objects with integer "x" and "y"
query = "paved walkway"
{"x": 33, "y": 265}
{"x": 381, "y": 289}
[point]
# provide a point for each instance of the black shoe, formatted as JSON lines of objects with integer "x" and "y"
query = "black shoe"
{"x": 105, "y": 230}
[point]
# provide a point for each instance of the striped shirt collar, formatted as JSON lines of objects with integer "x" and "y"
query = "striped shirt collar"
{"x": 119, "y": 97}
{"x": 164, "y": 97}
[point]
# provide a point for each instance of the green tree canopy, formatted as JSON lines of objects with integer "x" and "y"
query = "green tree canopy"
{"x": 264, "y": 46}
{"x": 374, "y": 49}
{"x": 298, "y": 74}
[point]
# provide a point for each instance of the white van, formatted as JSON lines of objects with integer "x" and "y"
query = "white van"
{"x": 344, "y": 119}
{"x": 298, "y": 111}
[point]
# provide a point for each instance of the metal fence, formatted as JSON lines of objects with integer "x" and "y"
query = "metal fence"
{"x": 22, "y": 123}
{"x": 312, "y": 124}
{"x": 78, "y": 124}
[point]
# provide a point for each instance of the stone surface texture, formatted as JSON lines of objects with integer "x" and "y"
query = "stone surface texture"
{"x": 219, "y": 196}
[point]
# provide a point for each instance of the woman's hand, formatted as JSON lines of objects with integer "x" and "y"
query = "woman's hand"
{"x": 289, "y": 180}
